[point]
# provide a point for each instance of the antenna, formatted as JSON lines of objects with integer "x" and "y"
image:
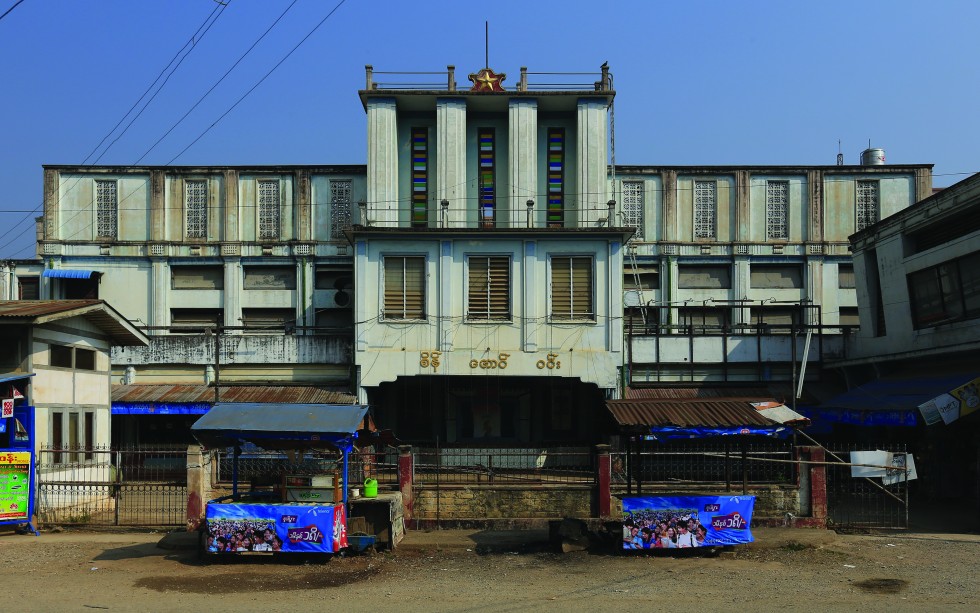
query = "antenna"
{"x": 486, "y": 43}
{"x": 840, "y": 154}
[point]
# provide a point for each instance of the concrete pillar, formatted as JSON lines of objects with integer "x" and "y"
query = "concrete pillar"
{"x": 406, "y": 472}
{"x": 923, "y": 183}
{"x": 451, "y": 161}
{"x": 382, "y": 168}
{"x": 158, "y": 206}
{"x": 669, "y": 217}
{"x": 52, "y": 216}
{"x": 304, "y": 212}
{"x": 196, "y": 495}
{"x": 444, "y": 290}
{"x": 743, "y": 208}
{"x": 530, "y": 291}
{"x": 592, "y": 161}
{"x": 741, "y": 283}
{"x": 818, "y": 484}
{"x": 523, "y": 153}
{"x": 159, "y": 299}
{"x": 233, "y": 292}
{"x": 306, "y": 277}
{"x": 814, "y": 207}
{"x": 604, "y": 479}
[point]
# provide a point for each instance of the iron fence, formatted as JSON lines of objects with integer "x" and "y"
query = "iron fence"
{"x": 499, "y": 466}
{"x": 259, "y": 468}
{"x": 734, "y": 464}
{"x": 866, "y": 503}
{"x": 104, "y": 486}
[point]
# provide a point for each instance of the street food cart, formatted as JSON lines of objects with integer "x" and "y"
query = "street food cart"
{"x": 17, "y": 464}
{"x": 302, "y": 513}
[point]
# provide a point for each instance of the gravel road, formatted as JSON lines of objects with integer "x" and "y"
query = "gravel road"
{"x": 79, "y": 571}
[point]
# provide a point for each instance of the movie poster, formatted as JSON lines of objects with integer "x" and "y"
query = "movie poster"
{"x": 681, "y": 522}
{"x": 241, "y": 528}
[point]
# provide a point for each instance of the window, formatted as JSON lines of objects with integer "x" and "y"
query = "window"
{"x": 107, "y": 203}
{"x": 420, "y": 177}
{"x": 269, "y": 277}
{"x": 556, "y": 177}
{"x": 60, "y": 356}
{"x": 197, "y": 277}
{"x": 84, "y": 359}
{"x": 269, "y": 210}
{"x": 704, "y": 276}
{"x": 849, "y": 316}
{"x": 489, "y": 288}
{"x": 30, "y": 288}
{"x": 777, "y": 210}
{"x": 633, "y": 206}
{"x": 845, "y": 276}
{"x": 867, "y": 204}
{"x": 12, "y": 344}
{"x": 196, "y": 207}
{"x": 571, "y": 288}
{"x": 487, "y": 174}
{"x": 268, "y": 320}
{"x": 340, "y": 207}
{"x": 89, "y": 434}
{"x": 776, "y": 276}
{"x": 947, "y": 292}
{"x": 776, "y": 320}
{"x": 74, "y": 438}
{"x": 705, "y": 209}
{"x": 193, "y": 321}
{"x": 641, "y": 278}
{"x": 404, "y": 287}
{"x": 57, "y": 434}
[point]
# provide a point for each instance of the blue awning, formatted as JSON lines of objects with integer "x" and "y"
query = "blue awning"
{"x": 5, "y": 378}
{"x": 160, "y": 408}
{"x": 64, "y": 273}
{"x": 280, "y": 425}
{"x": 885, "y": 402}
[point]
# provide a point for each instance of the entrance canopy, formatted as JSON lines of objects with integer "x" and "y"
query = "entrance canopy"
{"x": 693, "y": 418}
{"x": 281, "y": 426}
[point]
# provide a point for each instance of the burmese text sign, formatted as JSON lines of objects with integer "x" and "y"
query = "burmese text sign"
{"x": 678, "y": 522}
{"x": 309, "y": 528}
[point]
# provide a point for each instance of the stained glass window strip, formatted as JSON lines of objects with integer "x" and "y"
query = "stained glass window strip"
{"x": 269, "y": 213}
{"x": 340, "y": 207}
{"x": 777, "y": 210}
{"x": 633, "y": 206}
{"x": 705, "y": 209}
{"x": 488, "y": 189}
{"x": 867, "y": 204}
{"x": 107, "y": 208}
{"x": 196, "y": 207}
{"x": 556, "y": 177}
{"x": 420, "y": 176}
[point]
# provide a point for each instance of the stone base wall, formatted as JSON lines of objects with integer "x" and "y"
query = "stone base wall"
{"x": 771, "y": 501}
{"x": 487, "y": 502}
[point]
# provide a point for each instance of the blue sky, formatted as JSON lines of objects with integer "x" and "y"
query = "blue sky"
{"x": 697, "y": 82}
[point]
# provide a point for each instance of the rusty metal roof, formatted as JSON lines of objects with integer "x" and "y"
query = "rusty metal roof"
{"x": 687, "y": 412}
{"x": 670, "y": 393}
{"x": 280, "y": 394}
{"x": 98, "y": 312}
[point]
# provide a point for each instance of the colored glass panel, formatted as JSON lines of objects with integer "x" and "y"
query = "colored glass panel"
{"x": 487, "y": 177}
{"x": 420, "y": 176}
{"x": 556, "y": 177}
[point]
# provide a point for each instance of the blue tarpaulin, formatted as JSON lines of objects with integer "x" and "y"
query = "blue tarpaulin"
{"x": 885, "y": 402}
{"x": 675, "y": 432}
{"x": 159, "y": 408}
{"x": 62, "y": 273}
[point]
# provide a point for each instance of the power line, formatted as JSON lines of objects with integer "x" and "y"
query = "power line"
{"x": 7, "y": 12}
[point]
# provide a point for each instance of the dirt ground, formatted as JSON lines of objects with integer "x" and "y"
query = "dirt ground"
{"x": 82, "y": 571}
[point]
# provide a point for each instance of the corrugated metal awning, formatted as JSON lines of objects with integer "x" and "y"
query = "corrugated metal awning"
{"x": 686, "y": 413}
{"x": 280, "y": 425}
{"x": 138, "y": 394}
{"x": 65, "y": 273}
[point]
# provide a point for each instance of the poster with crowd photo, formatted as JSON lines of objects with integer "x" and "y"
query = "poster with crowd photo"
{"x": 271, "y": 528}
{"x": 680, "y": 522}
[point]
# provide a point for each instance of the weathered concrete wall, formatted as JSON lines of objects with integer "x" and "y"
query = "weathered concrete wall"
{"x": 772, "y": 501}
{"x": 237, "y": 349}
{"x": 455, "y": 503}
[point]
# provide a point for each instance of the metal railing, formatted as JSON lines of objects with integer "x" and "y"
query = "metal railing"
{"x": 599, "y": 81}
{"x": 538, "y": 466}
{"x": 865, "y": 503}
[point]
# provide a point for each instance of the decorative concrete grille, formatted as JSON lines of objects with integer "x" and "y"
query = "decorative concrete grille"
{"x": 741, "y": 249}
{"x": 269, "y": 210}
{"x": 340, "y": 207}
{"x": 196, "y": 205}
{"x": 867, "y": 204}
{"x": 777, "y": 209}
{"x": 705, "y": 206}
{"x": 633, "y": 206}
{"x": 107, "y": 206}
{"x": 157, "y": 249}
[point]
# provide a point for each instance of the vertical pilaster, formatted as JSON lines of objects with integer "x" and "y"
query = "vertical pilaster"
{"x": 159, "y": 299}
{"x": 304, "y": 212}
{"x": 923, "y": 183}
{"x": 230, "y": 227}
{"x": 233, "y": 292}
{"x": 743, "y": 208}
{"x": 814, "y": 230}
{"x": 52, "y": 216}
{"x": 523, "y": 148}
{"x": 382, "y": 168}
{"x": 614, "y": 304}
{"x": 740, "y": 288}
{"x": 445, "y": 289}
{"x": 530, "y": 293}
{"x": 669, "y": 217}
{"x": 158, "y": 206}
{"x": 451, "y": 160}
{"x": 306, "y": 274}
{"x": 592, "y": 148}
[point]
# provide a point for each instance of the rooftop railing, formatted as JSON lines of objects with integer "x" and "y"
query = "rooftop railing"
{"x": 600, "y": 81}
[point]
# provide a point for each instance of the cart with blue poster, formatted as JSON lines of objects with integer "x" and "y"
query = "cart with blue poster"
{"x": 296, "y": 517}
{"x": 17, "y": 470}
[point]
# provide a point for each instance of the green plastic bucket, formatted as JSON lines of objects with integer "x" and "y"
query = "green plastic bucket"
{"x": 370, "y": 488}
